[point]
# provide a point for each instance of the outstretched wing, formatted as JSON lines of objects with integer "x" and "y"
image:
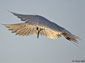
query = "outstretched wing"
{"x": 38, "y": 20}
{"x": 23, "y": 29}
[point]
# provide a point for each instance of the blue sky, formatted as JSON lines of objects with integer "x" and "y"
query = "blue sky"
{"x": 69, "y": 14}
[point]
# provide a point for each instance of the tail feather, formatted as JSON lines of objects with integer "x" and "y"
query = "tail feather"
{"x": 71, "y": 37}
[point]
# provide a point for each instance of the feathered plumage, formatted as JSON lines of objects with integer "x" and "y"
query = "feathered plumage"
{"x": 36, "y": 24}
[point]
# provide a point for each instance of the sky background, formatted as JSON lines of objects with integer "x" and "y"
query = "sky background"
{"x": 69, "y": 14}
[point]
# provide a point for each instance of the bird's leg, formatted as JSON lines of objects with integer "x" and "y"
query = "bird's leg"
{"x": 38, "y": 31}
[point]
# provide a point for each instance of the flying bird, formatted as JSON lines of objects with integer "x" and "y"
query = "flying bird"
{"x": 39, "y": 25}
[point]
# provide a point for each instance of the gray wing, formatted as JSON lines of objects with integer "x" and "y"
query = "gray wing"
{"x": 39, "y": 21}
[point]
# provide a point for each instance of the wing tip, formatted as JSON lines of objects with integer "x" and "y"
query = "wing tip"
{"x": 12, "y": 13}
{"x": 6, "y": 25}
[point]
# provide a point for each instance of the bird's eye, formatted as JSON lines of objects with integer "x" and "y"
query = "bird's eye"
{"x": 37, "y": 28}
{"x": 68, "y": 38}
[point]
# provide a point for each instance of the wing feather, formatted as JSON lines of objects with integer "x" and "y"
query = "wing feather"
{"x": 23, "y": 29}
